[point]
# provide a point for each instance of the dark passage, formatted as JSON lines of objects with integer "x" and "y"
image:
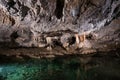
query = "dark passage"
{"x": 59, "y": 8}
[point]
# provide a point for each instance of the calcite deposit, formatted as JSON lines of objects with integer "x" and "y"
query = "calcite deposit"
{"x": 73, "y": 26}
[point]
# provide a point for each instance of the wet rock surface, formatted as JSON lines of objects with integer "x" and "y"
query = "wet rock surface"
{"x": 60, "y": 26}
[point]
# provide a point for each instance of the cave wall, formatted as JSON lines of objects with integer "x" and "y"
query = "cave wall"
{"x": 28, "y": 22}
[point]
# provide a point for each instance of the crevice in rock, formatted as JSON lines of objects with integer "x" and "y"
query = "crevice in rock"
{"x": 24, "y": 11}
{"x": 59, "y": 8}
{"x": 10, "y": 4}
{"x": 14, "y": 35}
{"x": 116, "y": 12}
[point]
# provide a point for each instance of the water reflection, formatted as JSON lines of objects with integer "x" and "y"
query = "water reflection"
{"x": 67, "y": 68}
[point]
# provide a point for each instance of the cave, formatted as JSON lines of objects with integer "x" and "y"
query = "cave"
{"x": 43, "y": 40}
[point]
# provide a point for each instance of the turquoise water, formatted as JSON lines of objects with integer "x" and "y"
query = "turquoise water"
{"x": 65, "y": 68}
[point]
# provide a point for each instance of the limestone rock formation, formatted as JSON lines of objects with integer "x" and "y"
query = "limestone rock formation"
{"x": 29, "y": 23}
